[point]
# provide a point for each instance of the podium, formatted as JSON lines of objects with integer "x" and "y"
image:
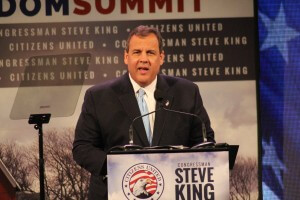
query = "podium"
{"x": 170, "y": 174}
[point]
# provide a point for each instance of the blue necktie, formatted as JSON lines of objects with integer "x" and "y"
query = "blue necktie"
{"x": 144, "y": 110}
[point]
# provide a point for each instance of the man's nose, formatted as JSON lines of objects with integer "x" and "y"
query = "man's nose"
{"x": 144, "y": 57}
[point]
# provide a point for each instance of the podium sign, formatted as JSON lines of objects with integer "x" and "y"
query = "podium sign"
{"x": 169, "y": 175}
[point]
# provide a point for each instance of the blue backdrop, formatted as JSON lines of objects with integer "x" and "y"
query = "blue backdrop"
{"x": 279, "y": 36}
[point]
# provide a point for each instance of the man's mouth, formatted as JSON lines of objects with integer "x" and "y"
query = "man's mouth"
{"x": 143, "y": 69}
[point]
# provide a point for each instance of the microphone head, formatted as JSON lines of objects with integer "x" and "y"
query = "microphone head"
{"x": 161, "y": 98}
{"x": 158, "y": 95}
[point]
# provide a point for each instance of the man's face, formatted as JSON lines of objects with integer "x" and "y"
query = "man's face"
{"x": 143, "y": 59}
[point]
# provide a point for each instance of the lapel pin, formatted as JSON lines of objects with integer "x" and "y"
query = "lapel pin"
{"x": 167, "y": 103}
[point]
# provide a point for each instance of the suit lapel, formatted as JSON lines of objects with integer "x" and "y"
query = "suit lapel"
{"x": 161, "y": 116}
{"x": 127, "y": 98}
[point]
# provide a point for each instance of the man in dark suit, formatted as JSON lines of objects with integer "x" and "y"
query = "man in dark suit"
{"x": 109, "y": 108}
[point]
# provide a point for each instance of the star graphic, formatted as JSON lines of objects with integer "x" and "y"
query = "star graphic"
{"x": 270, "y": 158}
{"x": 279, "y": 33}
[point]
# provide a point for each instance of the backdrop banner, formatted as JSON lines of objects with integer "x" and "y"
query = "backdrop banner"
{"x": 50, "y": 45}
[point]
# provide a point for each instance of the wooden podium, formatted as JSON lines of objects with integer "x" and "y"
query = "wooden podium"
{"x": 170, "y": 173}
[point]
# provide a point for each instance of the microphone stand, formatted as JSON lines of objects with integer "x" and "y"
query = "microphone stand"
{"x": 205, "y": 143}
{"x": 131, "y": 145}
{"x": 131, "y": 131}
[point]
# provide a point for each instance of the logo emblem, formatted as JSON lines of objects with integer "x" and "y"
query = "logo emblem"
{"x": 143, "y": 181}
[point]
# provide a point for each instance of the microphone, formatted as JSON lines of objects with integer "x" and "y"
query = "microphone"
{"x": 131, "y": 145}
{"x": 160, "y": 98}
{"x": 131, "y": 126}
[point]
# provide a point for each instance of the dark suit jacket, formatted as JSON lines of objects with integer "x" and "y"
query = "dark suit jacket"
{"x": 108, "y": 111}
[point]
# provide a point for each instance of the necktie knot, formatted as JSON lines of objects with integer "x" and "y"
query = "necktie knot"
{"x": 141, "y": 93}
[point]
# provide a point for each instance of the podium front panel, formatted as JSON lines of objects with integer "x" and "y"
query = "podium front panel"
{"x": 168, "y": 176}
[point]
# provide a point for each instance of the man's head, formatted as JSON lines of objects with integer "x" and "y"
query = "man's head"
{"x": 143, "y": 54}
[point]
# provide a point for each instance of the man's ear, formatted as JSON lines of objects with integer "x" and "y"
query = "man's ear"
{"x": 162, "y": 57}
{"x": 125, "y": 57}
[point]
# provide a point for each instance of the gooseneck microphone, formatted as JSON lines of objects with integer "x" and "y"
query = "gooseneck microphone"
{"x": 131, "y": 145}
{"x": 133, "y": 121}
{"x": 160, "y": 98}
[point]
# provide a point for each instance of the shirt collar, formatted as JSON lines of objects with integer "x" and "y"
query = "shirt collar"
{"x": 149, "y": 89}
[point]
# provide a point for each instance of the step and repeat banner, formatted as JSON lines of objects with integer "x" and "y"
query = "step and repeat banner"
{"x": 52, "y": 51}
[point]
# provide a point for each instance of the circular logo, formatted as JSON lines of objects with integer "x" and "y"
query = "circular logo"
{"x": 143, "y": 181}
